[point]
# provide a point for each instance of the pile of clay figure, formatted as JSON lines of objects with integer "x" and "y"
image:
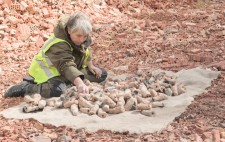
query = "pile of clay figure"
{"x": 140, "y": 92}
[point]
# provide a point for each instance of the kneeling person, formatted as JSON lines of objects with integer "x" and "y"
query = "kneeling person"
{"x": 64, "y": 60}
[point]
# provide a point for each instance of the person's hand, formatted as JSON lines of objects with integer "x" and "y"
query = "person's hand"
{"x": 96, "y": 71}
{"x": 81, "y": 87}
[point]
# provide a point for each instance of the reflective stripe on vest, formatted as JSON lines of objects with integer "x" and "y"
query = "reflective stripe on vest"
{"x": 41, "y": 68}
{"x": 85, "y": 59}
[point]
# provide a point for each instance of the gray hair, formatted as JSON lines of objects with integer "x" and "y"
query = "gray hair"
{"x": 79, "y": 22}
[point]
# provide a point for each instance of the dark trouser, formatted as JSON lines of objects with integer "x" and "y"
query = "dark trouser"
{"x": 56, "y": 86}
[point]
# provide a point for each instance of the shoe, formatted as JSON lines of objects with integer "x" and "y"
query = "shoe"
{"x": 17, "y": 90}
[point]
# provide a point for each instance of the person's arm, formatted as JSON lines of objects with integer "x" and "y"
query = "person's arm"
{"x": 95, "y": 70}
{"x": 61, "y": 57}
{"x": 81, "y": 87}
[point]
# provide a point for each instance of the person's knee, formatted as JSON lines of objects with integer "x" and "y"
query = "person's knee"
{"x": 45, "y": 90}
{"x": 53, "y": 88}
{"x": 104, "y": 74}
{"x": 91, "y": 77}
{"x": 58, "y": 90}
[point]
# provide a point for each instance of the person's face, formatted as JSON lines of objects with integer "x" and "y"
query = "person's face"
{"x": 78, "y": 37}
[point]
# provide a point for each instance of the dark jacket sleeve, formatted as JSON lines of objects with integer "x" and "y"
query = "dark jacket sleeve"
{"x": 62, "y": 58}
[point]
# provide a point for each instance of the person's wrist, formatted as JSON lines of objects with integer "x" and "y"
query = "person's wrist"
{"x": 77, "y": 81}
{"x": 90, "y": 66}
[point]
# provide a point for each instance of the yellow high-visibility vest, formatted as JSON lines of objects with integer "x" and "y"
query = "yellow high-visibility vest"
{"x": 41, "y": 68}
